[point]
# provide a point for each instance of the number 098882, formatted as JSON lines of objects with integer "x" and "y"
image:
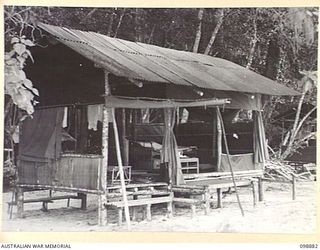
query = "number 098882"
{"x": 309, "y": 246}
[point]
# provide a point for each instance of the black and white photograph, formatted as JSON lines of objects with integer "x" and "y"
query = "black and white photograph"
{"x": 131, "y": 119}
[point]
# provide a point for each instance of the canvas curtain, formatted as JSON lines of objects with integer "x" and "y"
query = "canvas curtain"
{"x": 259, "y": 139}
{"x": 239, "y": 162}
{"x": 41, "y": 136}
{"x": 169, "y": 152}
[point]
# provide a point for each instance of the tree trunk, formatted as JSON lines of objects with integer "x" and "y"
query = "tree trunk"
{"x": 151, "y": 34}
{"x": 293, "y": 132}
{"x": 138, "y": 30}
{"x": 198, "y": 33}
{"x": 88, "y": 15}
{"x": 271, "y": 71}
{"x": 253, "y": 43}
{"x": 102, "y": 210}
{"x": 110, "y": 24}
{"x": 119, "y": 23}
{"x": 273, "y": 58}
{"x": 215, "y": 32}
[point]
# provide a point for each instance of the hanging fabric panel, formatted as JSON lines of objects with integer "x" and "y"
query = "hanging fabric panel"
{"x": 261, "y": 153}
{"x": 169, "y": 152}
{"x": 41, "y": 135}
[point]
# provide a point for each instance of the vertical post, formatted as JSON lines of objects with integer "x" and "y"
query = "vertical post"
{"x": 260, "y": 189}
{"x": 102, "y": 210}
{"x": 193, "y": 210}
{"x": 19, "y": 202}
{"x": 254, "y": 193}
{"x": 207, "y": 200}
{"x": 219, "y": 142}
{"x": 219, "y": 198}
{"x": 294, "y": 182}
{"x": 121, "y": 173}
{"x": 125, "y": 142}
{"x": 120, "y": 216}
{"x": 148, "y": 208}
{"x": 83, "y": 198}
{"x": 18, "y": 195}
{"x": 170, "y": 207}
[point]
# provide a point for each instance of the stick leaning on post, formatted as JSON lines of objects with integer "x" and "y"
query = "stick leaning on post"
{"x": 121, "y": 173}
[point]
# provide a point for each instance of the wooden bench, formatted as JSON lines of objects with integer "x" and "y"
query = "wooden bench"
{"x": 204, "y": 189}
{"x": 138, "y": 190}
{"x": 188, "y": 202}
{"x": 146, "y": 202}
{"x": 187, "y": 195}
{"x": 245, "y": 176}
{"x": 46, "y": 200}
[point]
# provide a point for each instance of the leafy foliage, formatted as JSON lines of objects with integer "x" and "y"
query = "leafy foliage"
{"x": 17, "y": 86}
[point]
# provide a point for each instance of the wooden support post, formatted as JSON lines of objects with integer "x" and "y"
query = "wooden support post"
{"x": 219, "y": 143}
{"x": 135, "y": 209}
{"x": 294, "y": 182}
{"x": 125, "y": 142}
{"x": 134, "y": 213}
{"x": 193, "y": 210}
{"x": 121, "y": 173}
{"x": 174, "y": 209}
{"x": 148, "y": 208}
{"x": 219, "y": 198}
{"x": 102, "y": 210}
{"x": 44, "y": 206}
{"x": 20, "y": 199}
{"x": 254, "y": 193}
{"x": 207, "y": 201}
{"x": 170, "y": 209}
{"x": 260, "y": 189}
{"x": 68, "y": 202}
{"x": 83, "y": 198}
{"x": 119, "y": 216}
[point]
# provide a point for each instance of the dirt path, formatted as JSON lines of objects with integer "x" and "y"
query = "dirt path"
{"x": 277, "y": 214}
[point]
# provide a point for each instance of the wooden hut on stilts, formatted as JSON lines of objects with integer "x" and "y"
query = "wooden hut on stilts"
{"x": 138, "y": 124}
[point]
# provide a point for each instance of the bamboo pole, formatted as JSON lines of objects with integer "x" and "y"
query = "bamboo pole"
{"x": 125, "y": 142}
{"x": 20, "y": 198}
{"x": 102, "y": 210}
{"x": 294, "y": 184}
{"x": 219, "y": 143}
{"x": 123, "y": 185}
{"x": 260, "y": 188}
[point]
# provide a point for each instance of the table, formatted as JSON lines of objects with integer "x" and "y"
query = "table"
{"x": 189, "y": 164}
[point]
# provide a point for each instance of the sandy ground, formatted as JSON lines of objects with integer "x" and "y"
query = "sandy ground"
{"x": 278, "y": 213}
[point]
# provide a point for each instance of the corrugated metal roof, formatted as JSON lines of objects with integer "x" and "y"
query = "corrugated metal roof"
{"x": 156, "y": 64}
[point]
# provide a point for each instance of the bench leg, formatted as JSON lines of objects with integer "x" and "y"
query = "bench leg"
{"x": 254, "y": 193}
{"x": 119, "y": 216}
{"x": 207, "y": 202}
{"x": 294, "y": 184}
{"x": 68, "y": 202}
{"x": 45, "y": 206}
{"x": 219, "y": 201}
{"x": 260, "y": 189}
{"x": 19, "y": 202}
{"x": 83, "y": 198}
{"x": 193, "y": 210}
{"x": 148, "y": 208}
{"x": 174, "y": 209}
{"x": 134, "y": 213}
{"x": 170, "y": 209}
